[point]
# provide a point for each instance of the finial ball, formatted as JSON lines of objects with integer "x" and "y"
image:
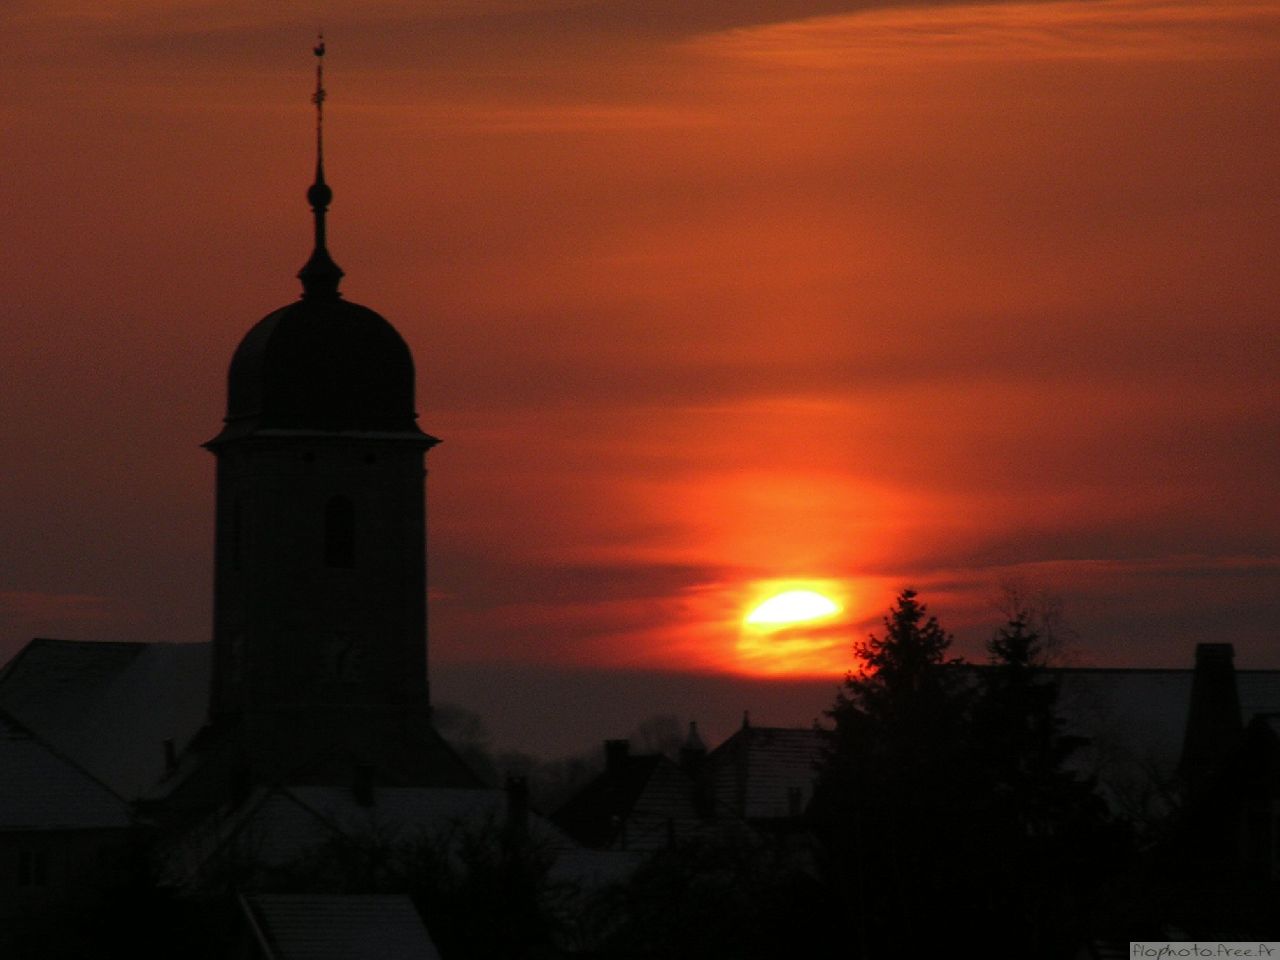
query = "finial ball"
{"x": 319, "y": 195}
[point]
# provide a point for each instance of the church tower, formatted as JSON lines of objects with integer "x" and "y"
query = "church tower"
{"x": 320, "y": 545}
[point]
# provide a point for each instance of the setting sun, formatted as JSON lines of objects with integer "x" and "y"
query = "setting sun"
{"x": 795, "y": 628}
{"x": 793, "y": 606}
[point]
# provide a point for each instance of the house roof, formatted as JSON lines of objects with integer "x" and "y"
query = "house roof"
{"x": 403, "y": 813}
{"x": 42, "y": 790}
{"x": 1134, "y": 721}
{"x": 766, "y": 773}
{"x": 636, "y": 804}
{"x": 279, "y": 826}
{"x": 110, "y": 706}
{"x": 338, "y": 927}
{"x": 311, "y": 745}
{"x": 1138, "y": 717}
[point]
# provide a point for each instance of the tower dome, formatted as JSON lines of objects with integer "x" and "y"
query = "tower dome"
{"x": 320, "y": 363}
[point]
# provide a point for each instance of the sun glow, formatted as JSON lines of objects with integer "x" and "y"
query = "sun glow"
{"x": 793, "y": 606}
{"x": 794, "y": 629}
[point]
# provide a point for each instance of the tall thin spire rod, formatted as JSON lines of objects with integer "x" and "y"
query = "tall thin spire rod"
{"x": 320, "y": 276}
{"x": 318, "y": 99}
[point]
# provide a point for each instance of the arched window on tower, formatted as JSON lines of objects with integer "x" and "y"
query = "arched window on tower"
{"x": 340, "y": 532}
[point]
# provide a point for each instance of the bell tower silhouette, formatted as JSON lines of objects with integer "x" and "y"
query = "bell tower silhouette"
{"x": 320, "y": 543}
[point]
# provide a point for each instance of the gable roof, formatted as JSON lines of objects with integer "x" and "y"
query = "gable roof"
{"x": 638, "y": 803}
{"x": 338, "y": 927}
{"x": 110, "y": 706}
{"x": 42, "y": 790}
{"x": 764, "y": 773}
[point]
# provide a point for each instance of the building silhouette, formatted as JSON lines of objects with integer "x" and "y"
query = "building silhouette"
{"x": 308, "y": 716}
{"x": 319, "y": 669}
{"x": 760, "y": 779}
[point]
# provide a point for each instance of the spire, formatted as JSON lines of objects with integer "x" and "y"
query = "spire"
{"x": 320, "y": 275}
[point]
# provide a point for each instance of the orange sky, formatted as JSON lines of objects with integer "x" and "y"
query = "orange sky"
{"x": 704, "y": 296}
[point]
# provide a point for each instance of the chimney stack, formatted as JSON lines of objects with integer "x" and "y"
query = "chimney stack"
{"x": 1214, "y": 726}
{"x": 693, "y": 752}
{"x": 693, "y": 761}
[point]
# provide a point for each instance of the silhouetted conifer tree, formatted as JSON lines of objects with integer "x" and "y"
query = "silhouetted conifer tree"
{"x": 895, "y": 792}
{"x": 1017, "y": 727}
{"x": 1047, "y": 834}
{"x": 948, "y": 818}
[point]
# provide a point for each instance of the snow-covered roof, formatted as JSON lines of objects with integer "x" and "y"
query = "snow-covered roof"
{"x": 767, "y": 772}
{"x": 338, "y": 927}
{"x": 42, "y": 790}
{"x": 405, "y": 813}
{"x": 279, "y": 826}
{"x": 640, "y": 803}
{"x": 110, "y": 706}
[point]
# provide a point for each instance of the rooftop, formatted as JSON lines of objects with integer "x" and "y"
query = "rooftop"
{"x": 43, "y": 790}
{"x": 110, "y": 706}
{"x": 338, "y": 927}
